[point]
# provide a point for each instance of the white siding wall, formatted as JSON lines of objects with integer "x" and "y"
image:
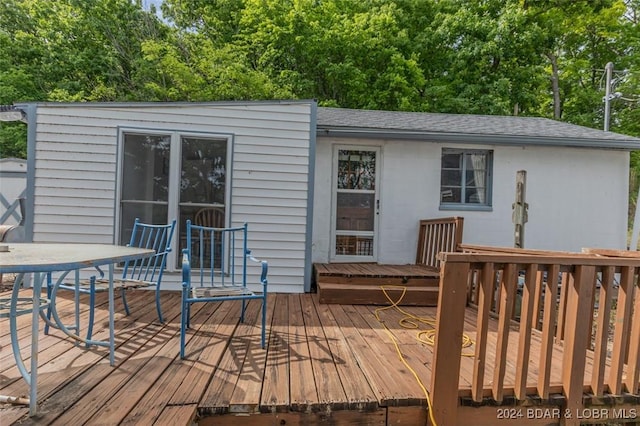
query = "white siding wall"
{"x": 75, "y": 172}
{"x": 577, "y": 197}
{"x": 13, "y": 183}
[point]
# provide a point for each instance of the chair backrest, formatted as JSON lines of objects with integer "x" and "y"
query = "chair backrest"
{"x": 156, "y": 237}
{"x": 211, "y": 217}
{"x": 217, "y": 256}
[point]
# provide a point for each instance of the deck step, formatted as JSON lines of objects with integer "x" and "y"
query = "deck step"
{"x": 362, "y": 283}
{"x": 356, "y": 280}
{"x": 366, "y": 294}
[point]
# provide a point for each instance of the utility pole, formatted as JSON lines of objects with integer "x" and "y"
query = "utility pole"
{"x": 607, "y": 96}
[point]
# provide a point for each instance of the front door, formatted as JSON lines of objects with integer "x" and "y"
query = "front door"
{"x": 356, "y": 204}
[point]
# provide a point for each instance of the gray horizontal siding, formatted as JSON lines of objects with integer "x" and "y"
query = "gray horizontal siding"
{"x": 76, "y": 147}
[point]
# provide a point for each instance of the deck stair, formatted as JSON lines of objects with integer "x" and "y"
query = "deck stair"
{"x": 377, "y": 284}
{"x": 366, "y": 284}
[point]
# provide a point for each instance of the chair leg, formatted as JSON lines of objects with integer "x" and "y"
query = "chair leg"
{"x": 158, "y": 306}
{"x": 187, "y": 309}
{"x": 244, "y": 305}
{"x": 184, "y": 318}
{"x": 264, "y": 319}
{"x": 124, "y": 301}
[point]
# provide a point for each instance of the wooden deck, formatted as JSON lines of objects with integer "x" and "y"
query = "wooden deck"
{"x": 324, "y": 364}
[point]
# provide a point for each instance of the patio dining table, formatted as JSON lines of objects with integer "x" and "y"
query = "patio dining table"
{"x": 42, "y": 260}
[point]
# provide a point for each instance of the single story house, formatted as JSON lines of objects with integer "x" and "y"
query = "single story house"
{"x": 319, "y": 184}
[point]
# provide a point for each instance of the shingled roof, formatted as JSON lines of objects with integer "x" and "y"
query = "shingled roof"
{"x": 466, "y": 128}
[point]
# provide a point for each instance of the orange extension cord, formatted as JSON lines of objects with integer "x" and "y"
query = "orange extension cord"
{"x": 411, "y": 321}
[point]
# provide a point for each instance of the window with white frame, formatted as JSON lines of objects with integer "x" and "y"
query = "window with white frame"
{"x": 173, "y": 175}
{"x": 465, "y": 178}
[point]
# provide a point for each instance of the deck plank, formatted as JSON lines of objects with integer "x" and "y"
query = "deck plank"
{"x": 47, "y": 348}
{"x": 356, "y": 387}
{"x": 331, "y": 395}
{"x": 406, "y": 348}
{"x": 71, "y": 377}
{"x": 246, "y": 395}
{"x": 374, "y": 357}
{"x": 175, "y": 415}
{"x": 380, "y": 342}
{"x": 153, "y": 349}
{"x": 53, "y": 355}
{"x": 210, "y": 342}
{"x": 65, "y": 312}
{"x": 275, "y": 387}
{"x": 301, "y": 377}
{"x": 227, "y": 362}
{"x": 180, "y": 380}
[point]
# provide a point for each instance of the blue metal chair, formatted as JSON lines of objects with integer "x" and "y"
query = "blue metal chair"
{"x": 214, "y": 269}
{"x": 135, "y": 274}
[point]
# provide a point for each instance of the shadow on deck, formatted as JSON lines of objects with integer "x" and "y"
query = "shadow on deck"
{"x": 335, "y": 364}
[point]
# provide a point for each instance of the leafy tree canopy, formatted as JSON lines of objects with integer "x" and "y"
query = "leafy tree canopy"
{"x": 539, "y": 58}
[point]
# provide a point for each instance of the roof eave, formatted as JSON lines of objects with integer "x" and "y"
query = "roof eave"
{"x": 167, "y": 104}
{"x": 471, "y": 138}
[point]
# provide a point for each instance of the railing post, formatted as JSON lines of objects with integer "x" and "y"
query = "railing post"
{"x": 577, "y": 334}
{"x": 527, "y": 315}
{"x": 485, "y": 294}
{"x": 508, "y": 285}
{"x": 633, "y": 368}
{"x": 548, "y": 331}
{"x": 621, "y": 329}
{"x": 605, "y": 300}
{"x": 445, "y": 376}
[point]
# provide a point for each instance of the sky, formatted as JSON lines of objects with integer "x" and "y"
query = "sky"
{"x": 147, "y": 5}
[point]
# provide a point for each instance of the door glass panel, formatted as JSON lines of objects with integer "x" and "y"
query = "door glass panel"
{"x": 202, "y": 183}
{"x": 146, "y": 167}
{"x": 204, "y": 171}
{"x": 145, "y": 181}
{"x": 148, "y": 213}
{"x": 356, "y": 169}
{"x": 355, "y": 212}
{"x": 350, "y": 245}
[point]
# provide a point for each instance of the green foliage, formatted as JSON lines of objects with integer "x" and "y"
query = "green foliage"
{"x": 487, "y": 57}
{"x": 460, "y": 56}
{"x": 13, "y": 140}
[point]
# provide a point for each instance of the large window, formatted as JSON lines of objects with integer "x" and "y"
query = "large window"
{"x": 465, "y": 179}
{"x": 173, "y": 175}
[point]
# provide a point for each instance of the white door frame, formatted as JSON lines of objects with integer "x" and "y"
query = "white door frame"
{"x": 333, "y": 256}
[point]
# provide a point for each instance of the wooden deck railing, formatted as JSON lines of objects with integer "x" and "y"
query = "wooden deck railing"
{"x": 581, "y": 284}
{"x": 438, "y": 235}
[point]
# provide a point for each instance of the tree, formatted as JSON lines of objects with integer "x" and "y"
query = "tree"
{"x": 492, "y": 62}
{"x": 542, "y": 57}
{"x": 69, "y": 50}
